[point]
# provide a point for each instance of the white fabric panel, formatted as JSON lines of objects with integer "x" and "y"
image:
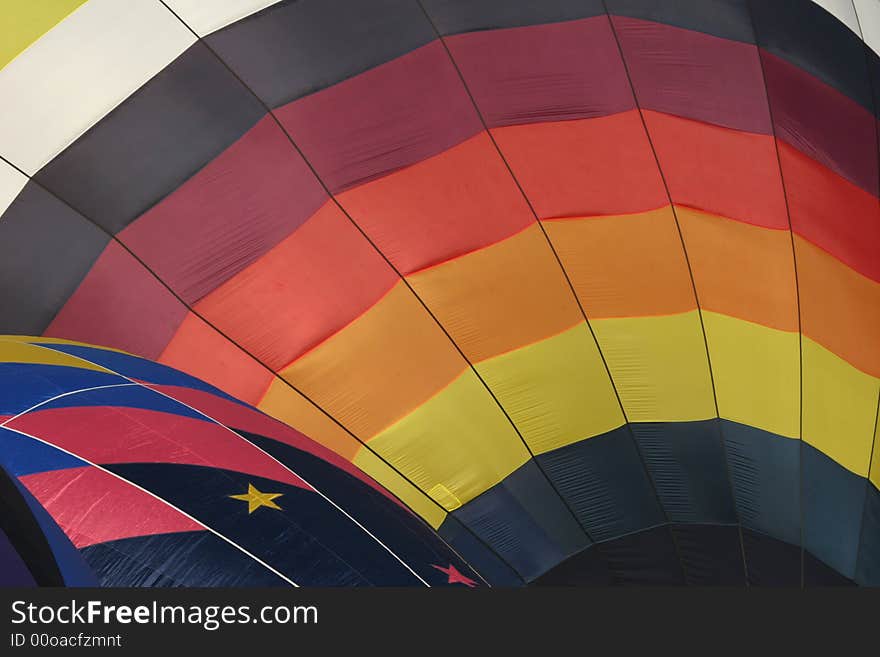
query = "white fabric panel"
{"x": 80, "y": 70}
{"x": 843, "y": 10}
{"x": 869, "y": 19}
{"x": 11, "y": 183}
{"x": 206, "y": 16}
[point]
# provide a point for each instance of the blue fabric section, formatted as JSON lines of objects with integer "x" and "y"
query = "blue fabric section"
{"x": 868, "y": 566}
{"x": 131, "y": 396}
{"x": 23, "y": 385}
{"x": 21, "y": 455}
{"x": 13, "y": 571}
{"x": 478, "y": 554}
{"x": 711, "y": 555}
{"x": 765, "y": 469}
{"x": 137, "y": 368}
{"x": 688, "y": 466}
{"x": 833, "y": 500}
{"x": 523, "y": 519}
{"x": 604, "y": 481}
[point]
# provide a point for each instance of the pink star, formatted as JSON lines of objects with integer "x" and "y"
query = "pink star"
{"x": 455, "y": 577}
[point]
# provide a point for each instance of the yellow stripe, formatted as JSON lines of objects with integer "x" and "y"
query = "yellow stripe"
{"x": 659, "y": 366}
{"x": 24, "y": 21}
{"x": 459, "y": 439}
{"x": 840, "y": 404}
{"x": 21, "y": 352}
{"x": 875, "y": 460}
{"x": 756, "y": 371}
{"x": 557, "y": 391}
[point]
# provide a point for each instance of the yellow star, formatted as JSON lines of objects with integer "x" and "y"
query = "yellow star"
{"x": 256, "y": 499}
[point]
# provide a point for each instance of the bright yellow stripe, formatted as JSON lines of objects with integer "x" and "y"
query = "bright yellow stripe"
{"x": 756, "y": 371}
{"x": 557, "y": 391}
{"x": 659, "y": 366}
{"x": 24, "y": 21}
{"x": 457, "y": 443}
{"x": 21, "y": 352}
{"x": 840, "y": 404}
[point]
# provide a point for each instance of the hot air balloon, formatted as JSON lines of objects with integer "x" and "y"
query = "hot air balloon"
{"x": 591, "y": 287}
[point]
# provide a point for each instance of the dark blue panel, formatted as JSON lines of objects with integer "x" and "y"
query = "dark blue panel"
{"x": 454, "y": 16}
{"x": 132, "y": 396}
{"x": 21, "y": 455}
{"x": 587, "y": 568}
{"x": 729, "y": 19}
{"x": 181, "y": 559}
{"x": 765, "y": 469}
{"x": 604, "y": 481}
{"x": 138, "y": 368}
{"x": 645, "y": 558}
{"x": 771, "y": 562}
{"x": 13, "y": 571}
{"x": 523, "y": 520}
{"x": 817, "y": 573}
{"x": 868, "y": 570}
{"x": 23, "y": 385}
{"x": 492, "y": 568}
{"x": 711, "y": 555}
{"x": 687, "y": 463}
{"x": 833, "y": 499}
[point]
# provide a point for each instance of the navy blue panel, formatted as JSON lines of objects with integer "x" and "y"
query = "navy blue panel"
{"x": 833, "y": 499}
{"x": 23, "y": 385}
{"x": 765, "y": 469}
{"x": 587, "y": 568}
{"x": 13, "y": 571}
{"x": 454, "y": 16}
{"x": 160, "y": 136}
{"x": 729, "y": 19}
{"x": 491, "y": 567}
{"x": 814, "y": 40}
{"x": 131, "y": 396}
{"x": 291, "y": 49}
{"x": 46, "y": 249}
{"x": 138, "y": 368}
{"x": 21, "y": 455}
{"x": 603, "y": 480}
{"x": 868, "y": 569}
{"x": 771, "y": 562}
{"x": 687, "y": 463}
{"x": 817, "y": 573}
{"x": 711, "y": 555}
{"x": 645, "y": 558}
{"x": 180, "y": 559}
{"x": 523, "y": 519}
{"x": 402, "y": 531}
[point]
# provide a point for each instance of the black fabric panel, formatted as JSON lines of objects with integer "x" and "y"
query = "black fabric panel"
{"x": 771, "y": 562}
{"x": 292, "y": 49}
{"x": 833, "y": 499}
{"x": 586, "y": 568}
{"x": 160, "y": 136}
{"x": 603, "y": 480}
{"x": 765, "y": 469}
{"x": 817, "y": 573}
{"x": 455, "y": 16}
{"x": 868, "y": 568}
{"x": 494, "y": 570}
{"x": 711, "y": 555}
{"x": 523, "y": 519}
{"x": 13, "y": 571}
{"x": 46, "y": 249}
{"x": 24, "y": 534}
{"x": 813, "y": 39}
{"x": 728, "y": 19}
{"x": 646, "y": 558}
{"x": 687, "y": 463}
{"x": 191, "y": 559}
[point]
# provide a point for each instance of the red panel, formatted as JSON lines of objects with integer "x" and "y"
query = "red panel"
{"x": 230, "y": 213}
{"x": 720, "y": 171}
{"x": 452, "y": 204}
{"x": 120, "y": 304}
{"x": 831, "y": 212}
{"x": 104, "y": 434}
{"x": 92, "y": 506}
{"x": 308, "y": 287}
{"x": 584, "y": 168}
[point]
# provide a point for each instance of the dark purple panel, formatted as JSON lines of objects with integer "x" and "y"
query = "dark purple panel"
{"x": 392, "y": 116}
{"x": 695, "y": 75}
{"x": 823, "y": 123}
{"x": 552, "y": 72}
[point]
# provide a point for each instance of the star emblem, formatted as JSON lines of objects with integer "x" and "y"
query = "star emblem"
{"x": 256, "y": 499}
{"x": 455, "y": 577}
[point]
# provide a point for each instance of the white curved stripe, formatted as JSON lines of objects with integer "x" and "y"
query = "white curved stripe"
{"x": 868, "y": 12}
{"x": 843, "y": 10}
{"x": 209, "y": 16}
{"x": 78, "y": 71}
{"x": 240, "y": 437}
{"x": 62, "y": 395}
{"x": 11, "y": 183}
